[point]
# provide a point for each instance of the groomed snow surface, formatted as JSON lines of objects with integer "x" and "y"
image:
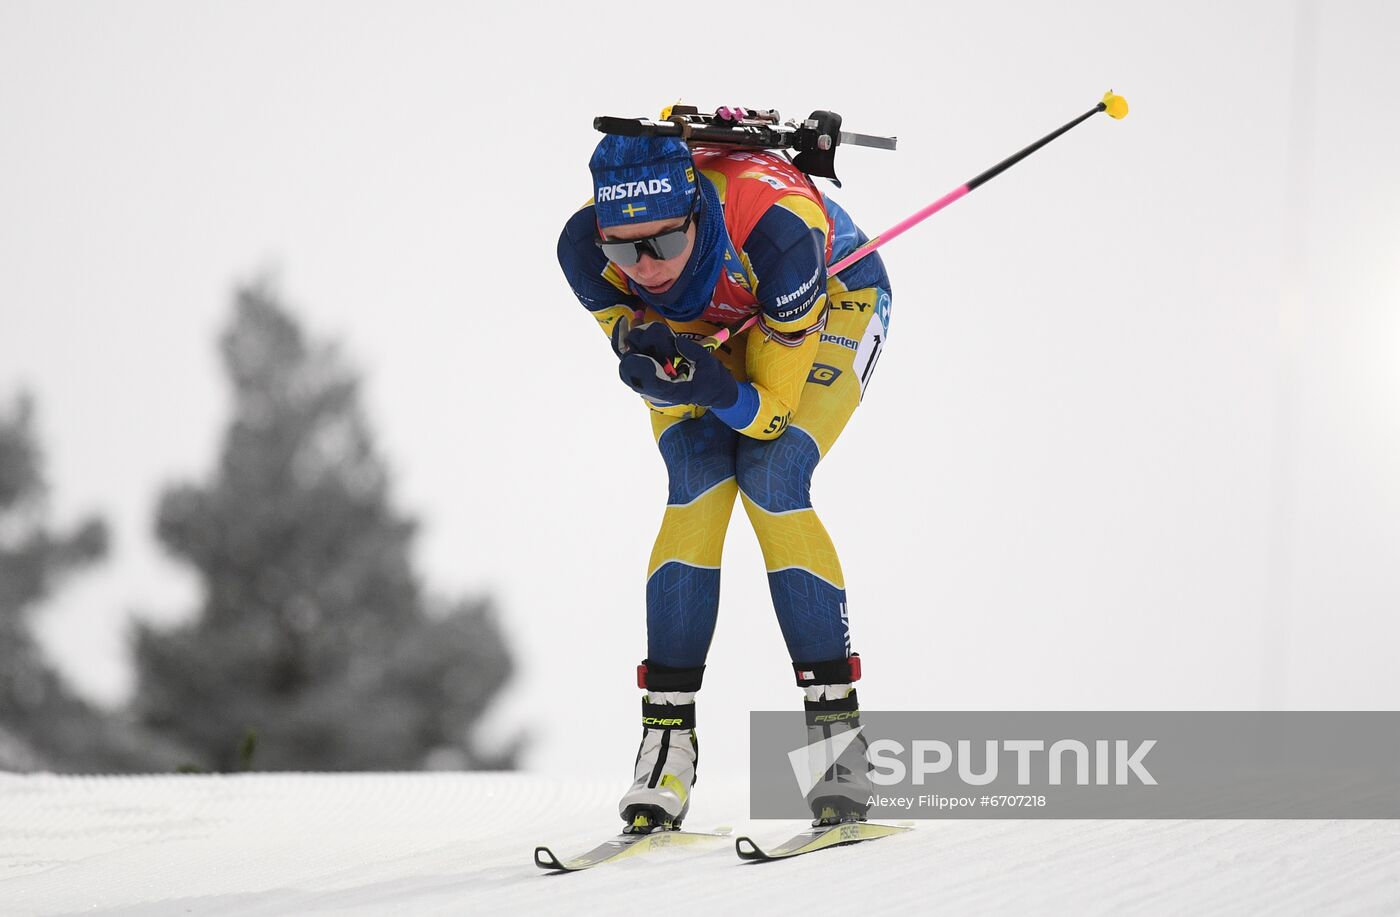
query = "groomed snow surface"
{"x": 462, "y": 844}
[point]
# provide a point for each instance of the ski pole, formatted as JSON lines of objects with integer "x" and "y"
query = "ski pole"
{"x": 1115, "y": 105}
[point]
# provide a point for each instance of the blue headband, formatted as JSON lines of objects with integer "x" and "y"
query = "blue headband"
{"x": 640, "y": 179}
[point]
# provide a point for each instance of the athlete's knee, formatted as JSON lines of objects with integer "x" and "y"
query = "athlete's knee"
{"x": 699, "y": 454}
{"x": 776, "y": 474}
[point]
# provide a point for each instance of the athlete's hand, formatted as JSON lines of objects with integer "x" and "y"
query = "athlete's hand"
{"x": 621, "y": 326}
{"x": 700, "y": 378}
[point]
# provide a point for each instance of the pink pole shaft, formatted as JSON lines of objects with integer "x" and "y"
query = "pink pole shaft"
{"x": 897, "y": 230}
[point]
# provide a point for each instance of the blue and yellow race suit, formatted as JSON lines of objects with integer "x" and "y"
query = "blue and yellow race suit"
{"x": 802, "y": 370}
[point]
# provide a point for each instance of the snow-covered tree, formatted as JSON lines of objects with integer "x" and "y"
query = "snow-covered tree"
{"x": 315, "y": 634}
{"x": 43, "y": 724}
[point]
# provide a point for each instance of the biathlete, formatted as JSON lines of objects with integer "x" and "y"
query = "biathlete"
{"x": 673, "y": 246}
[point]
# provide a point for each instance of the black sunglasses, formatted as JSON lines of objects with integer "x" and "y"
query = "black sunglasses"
{"x": 663, "y": 246}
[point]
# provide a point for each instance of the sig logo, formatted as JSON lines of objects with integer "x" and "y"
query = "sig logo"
{"x": 822, "y": 374}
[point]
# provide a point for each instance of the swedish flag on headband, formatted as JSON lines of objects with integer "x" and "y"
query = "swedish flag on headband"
{"x": 639, "y": 179}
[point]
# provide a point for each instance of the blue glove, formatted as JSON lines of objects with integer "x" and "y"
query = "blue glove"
{"x": 618, "y": 335}
{"x": 654, "y": 339}
{"x": 700, "y": 377}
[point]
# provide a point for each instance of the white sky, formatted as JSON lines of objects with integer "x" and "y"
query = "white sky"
{"x": 1135, "y": 443}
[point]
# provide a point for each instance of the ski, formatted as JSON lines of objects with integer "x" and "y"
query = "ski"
{"x": 625, "y": 845}
{"x": 814, "y": 839}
